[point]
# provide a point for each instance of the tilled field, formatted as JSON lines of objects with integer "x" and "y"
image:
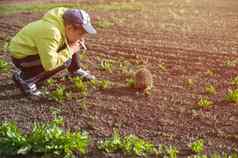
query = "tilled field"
{"x": 182, "y": 41}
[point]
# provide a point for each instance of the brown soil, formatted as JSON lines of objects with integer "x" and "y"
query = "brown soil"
{"x": 187, "y": 38}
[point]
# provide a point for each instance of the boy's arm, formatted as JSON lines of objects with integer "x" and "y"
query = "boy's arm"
{"x": 47, "y": 48}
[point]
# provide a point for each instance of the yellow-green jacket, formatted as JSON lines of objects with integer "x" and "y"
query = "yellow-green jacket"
{"x": 44, "y": 37}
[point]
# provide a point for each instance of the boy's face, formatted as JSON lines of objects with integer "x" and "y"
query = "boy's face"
{"x": 74, "y": 34}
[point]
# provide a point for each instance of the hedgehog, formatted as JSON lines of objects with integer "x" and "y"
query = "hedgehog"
{"x": 143, "y": 80}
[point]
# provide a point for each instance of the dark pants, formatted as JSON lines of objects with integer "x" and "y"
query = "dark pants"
{"x": 33, "y": 71}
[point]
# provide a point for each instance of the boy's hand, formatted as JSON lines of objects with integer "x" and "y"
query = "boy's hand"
{"x": 74, "y": 47}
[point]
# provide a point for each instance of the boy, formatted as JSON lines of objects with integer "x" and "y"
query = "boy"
{"x": 49, "y": 45}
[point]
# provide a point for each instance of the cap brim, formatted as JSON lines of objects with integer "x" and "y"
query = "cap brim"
{"x": 89, "y": 29}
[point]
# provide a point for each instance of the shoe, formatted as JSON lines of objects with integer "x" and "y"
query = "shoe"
{"x": 26, "y": 88}
{"x": 85, "y": 75}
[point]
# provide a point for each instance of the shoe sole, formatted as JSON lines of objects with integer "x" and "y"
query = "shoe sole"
{"x": 22, "y": 89}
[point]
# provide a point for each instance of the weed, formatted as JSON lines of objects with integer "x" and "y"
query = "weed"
{"x": 189, "y": 82}
{"x": 230, "y": 63}
{"x": 12, "y": 141}
{"x": 104, "y": 24}
{"x": 100, "y": 84}
{"x": 45, "y": 138}
{"x": 106, "y": 65}
{"x": 4, "y": 66}
{"x": 205, "y": 103}
{"x": 133, "y": 145}
{"x": 59, "y": 94}
{"x": 235, "y": 81}
{"x": 131, "y": 83}
{"x": 130, "y": 145}
{"x": 232, "y": 96}
{"x": 162, "y": 67}
{"x": 210, "y": 89}
{"x": 51, "y": 82}
{"x": 111, "y": 144}
{"x": 167, "y": 151}
{"x": 172, "y": 152}
{"x": 103, "y": 84}
{"x": 80, "y": 85}
{"x": 197, "y": 146}
{"x": 210, "y": 72}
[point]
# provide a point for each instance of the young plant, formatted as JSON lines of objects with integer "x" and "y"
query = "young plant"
{"x": 230, "y": 63}
{"x": 172, "y": 152}
{"x": 106, "y": 65}
{"x": 80, "y": 85}
{"x": 205, "y": 103}
{"x": 210, "y": 89}
{"x": 162, "y": 67}
{"x": 197, "y": 146}
{"x": 210, "y": 72}
{"x": 130, "y": 145}
{"x": 131, "y": 83}
{"x": 232, "y": 96}
{"x": 12, "y": 141}
{"x": 112, "y": 144}
{"x": 235, "y": 81}
{"x": 103, "y": 84}
{"x": 59, "y": 94}
{"x": 51, "y": 82}
{"x": 189, "y": 82}
{"x": 4, "y": 66}
{"x": 52, "y": 139}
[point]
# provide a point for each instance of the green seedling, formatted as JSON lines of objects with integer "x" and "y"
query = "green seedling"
{"x": 210, "y": 89}
{"x": 104, "y": 24}
{"x": 231, "y": 63}
{"x": 235, "y": 81}
{"x": 112, "y": 144}
{"x": 100, "y": 84}
{"x": 59, "y": 94}
{"x": 189, "y": 82}
{"x": 45, "y": 138}
{"x": 80, "y": 85}
{"x": 172, "y": 151}
{"x": 232, "y": 96}
{"x": 197, "y": 146}
{"x": 210, "y": 72}
{"x": 104, "y": 84}
{"x": 12, "y": 140}
{"x": 132, "y": 145}
{"x": 126, "y": 68}
{"x": 205, "y": 103}
{"x": 51, "y": 82}
{"x": 162, "y": 67}
{"x": 106, "y": 65}
{"x": 131, "y": 83}
{"x": 129, "y": 145}
{"x": 4, "y": 66}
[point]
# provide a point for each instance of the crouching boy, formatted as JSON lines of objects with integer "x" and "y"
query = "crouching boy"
{"x": 49, "y": 45}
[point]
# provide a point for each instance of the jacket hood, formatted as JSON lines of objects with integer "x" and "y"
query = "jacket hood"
{"x": 55, "y": 17}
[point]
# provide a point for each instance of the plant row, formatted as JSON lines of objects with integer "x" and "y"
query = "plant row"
{"x": 51, "y": 139}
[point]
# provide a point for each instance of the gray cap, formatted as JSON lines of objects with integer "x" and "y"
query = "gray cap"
{"x": 81, "y": 17}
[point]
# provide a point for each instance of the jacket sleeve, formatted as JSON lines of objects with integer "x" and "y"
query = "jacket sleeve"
{"x": 47, "y": 46}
